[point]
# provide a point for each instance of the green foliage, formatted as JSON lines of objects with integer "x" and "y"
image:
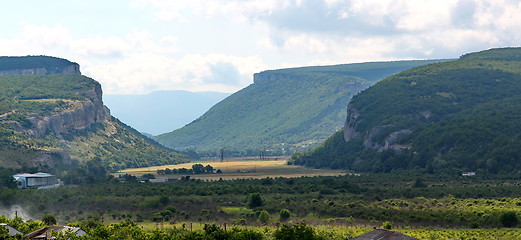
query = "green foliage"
{"x": 283, "y": 111}
{"x": 264, "y": 217}
{"x": 387, "y": 225}
{"x": 284, "y": 215}
{"x": 48, "y": 219}
{"x": 6, "y": 179}
{"x": 299, "y": 231}
{"x": 459, "y": 116}
{"x": 255, "y": 200}
{"x": 450, "y": 201}
{"x": 509, "y": 219}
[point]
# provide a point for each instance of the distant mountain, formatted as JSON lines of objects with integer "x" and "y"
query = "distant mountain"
{"x": 59, "y": 120}
{"x": 462, "y": 115}
{"x": 162, "y": 111}
{"x": 284, "y": 110}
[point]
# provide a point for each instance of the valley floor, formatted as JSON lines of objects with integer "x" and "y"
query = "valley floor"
{"x": 239, "y": 169}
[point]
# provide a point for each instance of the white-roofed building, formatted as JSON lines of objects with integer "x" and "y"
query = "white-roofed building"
{"x": 36, "y": 180}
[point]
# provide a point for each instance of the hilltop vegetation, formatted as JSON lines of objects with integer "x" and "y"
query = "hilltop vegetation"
{"x": 26, "y": 62}
{"x": 455, "y": 116}
{"x": 283, "y": 111}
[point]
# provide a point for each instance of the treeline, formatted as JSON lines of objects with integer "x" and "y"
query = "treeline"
{"x": 196, "y": 169}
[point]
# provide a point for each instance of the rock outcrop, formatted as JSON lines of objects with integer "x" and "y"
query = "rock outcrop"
{"x": 37, "y": 65}
{"x": 370, "y": 138}
{"x": 81, "y": 116}
{"x": 73, "y": 69}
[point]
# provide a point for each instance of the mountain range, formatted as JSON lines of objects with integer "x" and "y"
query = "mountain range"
{"x": 283, "y": 111}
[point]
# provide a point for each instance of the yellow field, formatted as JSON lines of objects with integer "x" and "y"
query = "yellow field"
{"x": 239, "y": 169}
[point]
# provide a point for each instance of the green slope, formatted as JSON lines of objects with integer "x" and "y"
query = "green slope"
{"x": 27, "y": 100}
{"x": 284, "y": 110}
{"x": 455, "y": 116}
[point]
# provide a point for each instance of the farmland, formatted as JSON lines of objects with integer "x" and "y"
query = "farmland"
{"x": 239, "y": 169}
{"x": 425, "y": 206}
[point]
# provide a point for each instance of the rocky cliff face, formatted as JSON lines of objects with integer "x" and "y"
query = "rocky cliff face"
{"x": 81, "y": 116}
{"x": 371, "y": 139}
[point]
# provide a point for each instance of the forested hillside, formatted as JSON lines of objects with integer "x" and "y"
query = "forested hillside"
{"x": 462, "y": 115}
{"x": 283, "y": 111}
{"x": 53, "y": 121}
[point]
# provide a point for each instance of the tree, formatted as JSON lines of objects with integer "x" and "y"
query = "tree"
{"x": 264, "y": 217}
{"x": 509, "y": 219}
{"x": 7, "y": 180}
{"x": 208, "y": 169}
{"x": 164, "y": 200}
{"x": 284, "y": 214}
{"x": 198, "y": 168}
{"x": 48, "y": 219}
{"x": 387, "y": 225}
{"x": 148, "y": 176}
{"x": 254, "y": 200}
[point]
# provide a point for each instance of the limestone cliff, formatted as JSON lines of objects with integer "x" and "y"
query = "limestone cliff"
{"x": 82, "y": 115}
{"x": 37, "y": 65}
{"x": 379, "y": 138}
{"x": 51, "y": 116}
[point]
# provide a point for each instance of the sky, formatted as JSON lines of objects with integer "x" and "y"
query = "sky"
{"x": 141, "y": 46}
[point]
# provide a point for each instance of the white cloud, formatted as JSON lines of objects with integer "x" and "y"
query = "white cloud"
{"x": 142, "y": 73}
{"x": 218, "y": 44}
{"x": 138, "y": 62}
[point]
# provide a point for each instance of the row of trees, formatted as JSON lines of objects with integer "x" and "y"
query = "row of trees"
{"x": 196, "y": 169}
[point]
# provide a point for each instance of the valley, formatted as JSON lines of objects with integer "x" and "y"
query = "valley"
{"x": 397, "y": 163}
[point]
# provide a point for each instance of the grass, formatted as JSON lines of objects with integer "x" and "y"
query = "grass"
{"x": 236, "y": 211}
{"x": 237, "y": 169}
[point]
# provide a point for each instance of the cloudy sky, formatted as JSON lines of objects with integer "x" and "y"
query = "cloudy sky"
{"x": 140, "y": 46}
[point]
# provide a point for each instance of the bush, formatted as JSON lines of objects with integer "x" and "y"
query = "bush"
{"x": 296, "y": 232}
{"x": 48, "y": 219}
{"x": 509, "y": 219}
{"x": 387, "y": 225}
{"x": 284, "y": 214}
{"x": 255, "y": 200}
{"x": 264, "y": 217}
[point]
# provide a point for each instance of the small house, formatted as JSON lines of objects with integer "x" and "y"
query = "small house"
{"x": 468, "y": 174}
{"x": 12, "y": 231}
{"x": 383, "y": 234}
{"x": 46, "y": 232}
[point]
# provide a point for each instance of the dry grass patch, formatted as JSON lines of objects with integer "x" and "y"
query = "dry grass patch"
{"x": 239, "y": 169}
